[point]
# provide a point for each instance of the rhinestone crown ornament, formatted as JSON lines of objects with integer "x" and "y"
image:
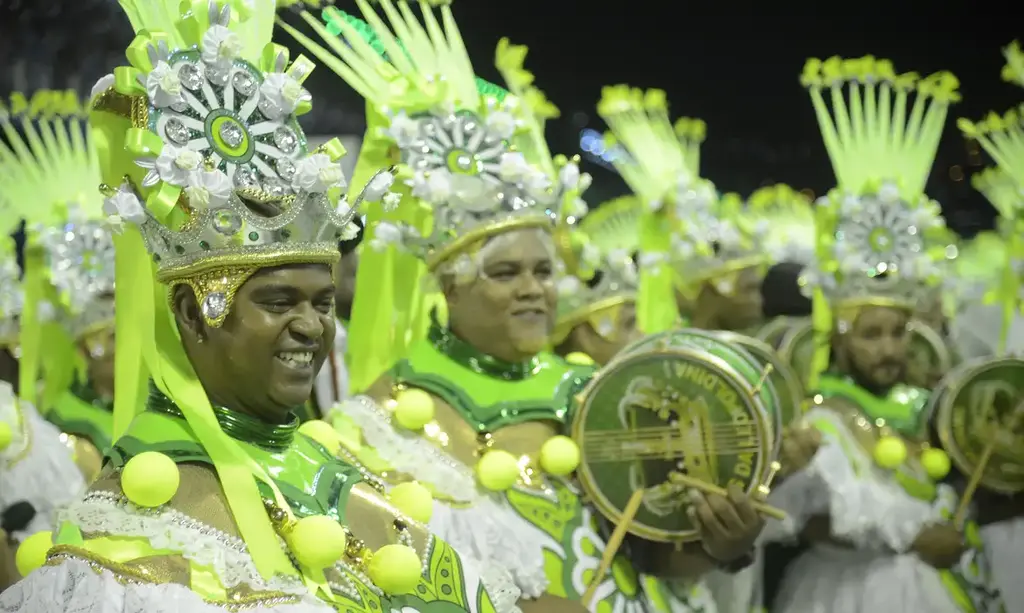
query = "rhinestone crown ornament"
{"x": 80, "y": 264}
{"x": 469, "y": 151}
{"x": 880, "y": 239}
{"x": 229, "y": 185}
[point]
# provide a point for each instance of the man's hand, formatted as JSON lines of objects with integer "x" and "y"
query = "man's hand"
{"x": 728, "y": 526}
{"x": 939, "y": 545}
{"x": 799, "y": 444}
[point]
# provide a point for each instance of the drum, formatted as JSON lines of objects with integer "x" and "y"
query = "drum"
{"x": 980, "y": 404}
{"x": 682, "y": 402}
{"x": 775, "y": 330}
{"x": 784, "y": 378}
{"x": 796, "y": 348}
{"x": 930, "y": 358}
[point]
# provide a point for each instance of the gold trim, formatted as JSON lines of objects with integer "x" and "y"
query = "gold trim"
{"x": 435, "y": 259}
{"x": 729, "y": 374}
{"x": 248, "y": 257}
{"x": 728, "y": 267}
{"x": 127, "y": 575}
{"x": 564, "y": 325}
{"x": 860, "y": 302}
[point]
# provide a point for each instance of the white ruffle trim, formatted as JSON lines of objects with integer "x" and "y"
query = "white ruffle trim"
{"x": 867, "y": 507}
{"x": 37, "y": 467}
{"x": 171, "y": 530}
{"x": 486, "y": 530}
{"x": 73, "y": 585}
{"x": 1004, "y": 545}
{"x": 409, "y": 453}
{"x": 490, "y": 533}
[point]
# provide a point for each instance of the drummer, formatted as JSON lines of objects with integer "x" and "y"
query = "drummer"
{"x": 596, "y": 315}
{"x": 869, "y": 500}
{"x": 476, "y": 411}
{"x": 1001, "y": 515}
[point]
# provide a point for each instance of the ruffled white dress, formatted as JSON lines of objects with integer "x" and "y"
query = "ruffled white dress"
{"x": 1004, "y": 546}
{"x": 869, "y": 509}
{"x": 37, "y": 467}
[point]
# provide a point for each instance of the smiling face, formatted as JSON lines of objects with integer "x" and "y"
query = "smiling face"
{"x": 508, "y": 309}
{"x": 262, "y": 361}
{"x": 874, "y": 349}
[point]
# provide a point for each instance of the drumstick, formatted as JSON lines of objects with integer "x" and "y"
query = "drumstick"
{"x": 979, "y": 470}
{"x": 632, "y": 507}
{"x": 710, "y": 488}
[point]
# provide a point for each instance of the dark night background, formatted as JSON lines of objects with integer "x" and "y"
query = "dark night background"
{"x": 734, "y": 65}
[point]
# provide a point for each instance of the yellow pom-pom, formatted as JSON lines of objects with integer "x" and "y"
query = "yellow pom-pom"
{"x": 414, "y": 500}
{"x": 497, "y": 470}
{"x": 150, "y": 479}
{"x": 560, "y": 455}
{"x": 414, "y": 409}
{"x": 6, "y": 436}
{"x": 32, "y": 552}
{"x": 935, "y": 463}
{"x": 890, "y": 452}
{"x": 395, "y": 569}
{"x": 579, "y": 359}
{"x": 323, "y": 433}
{"x": 317, "y": 541}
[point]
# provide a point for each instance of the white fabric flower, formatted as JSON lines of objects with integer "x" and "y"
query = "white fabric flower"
{"x": 501, "y": 124}
{"x": 391, "y": 201}
{"x": 889, "y": 193}
{"x": 568, "y": 285}
{"x": 208, "y": 189}
{"x": 569, "y": 175}
{"x": 577, "y": 208}
{"x": 163, "y": 86}
{"x": 174, "y": 165}
{"x": 220, "y": 47}
{"x": 317, "y": 173}
{"x": 378, "y": 186}
{"x": 105, "y": 83}
{"x": 513, "y": 167}
{"x": 282, "y": 94}
{"x": 386, "y": 235}
{"x": 434, "y": 187}
{"x": 126, "y": 205}
{"x": 349, "y": 231}
{"x": 655, "y": 205}
{"x": 652, "y": 260}
{"x": 403, "y": 130}
{"x": 590, "y": 256}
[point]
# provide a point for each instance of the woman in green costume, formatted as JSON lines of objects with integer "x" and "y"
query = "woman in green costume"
{"x": 476, "y": 410}
{"x": 225, "y": 300}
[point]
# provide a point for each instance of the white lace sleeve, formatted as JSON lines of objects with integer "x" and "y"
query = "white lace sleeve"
{"x": 866, "y": 505}
{"x": 37, "y": 467}
{"x": 74, "y": 586}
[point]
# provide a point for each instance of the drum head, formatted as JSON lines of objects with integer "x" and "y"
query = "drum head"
{"x": 981, "y": 404}
{"x": 785, "y": 380}
{"x": 665, "y": 407}
{"x": 930, "y": 358}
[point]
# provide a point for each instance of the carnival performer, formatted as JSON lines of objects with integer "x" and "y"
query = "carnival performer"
{"x": 596, "y": 315}
{"x": 69, "y": 262}
{"x": 1002, "y": 516}
{"x": 869, "y": 500}
{"x": 226, "y": 257}
{"x": 476, "y": 411}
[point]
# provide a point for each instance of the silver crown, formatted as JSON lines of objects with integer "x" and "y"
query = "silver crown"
{"x": 230, "y": 185}
{"x": 80, "y": 265}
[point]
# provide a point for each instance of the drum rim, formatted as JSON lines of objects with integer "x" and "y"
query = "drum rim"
{"x": 583, "y": 472}
{"x": 788, "y": 373}
{"x": 944, "y": 420}
{"x": 785, "y": 322}
{"x": 934, "y": 340}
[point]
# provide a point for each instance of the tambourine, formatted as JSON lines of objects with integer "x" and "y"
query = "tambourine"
{"x": 775, "y": 329}
{"x": 671, "y": 410}
{"x": 978, "y": 413}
